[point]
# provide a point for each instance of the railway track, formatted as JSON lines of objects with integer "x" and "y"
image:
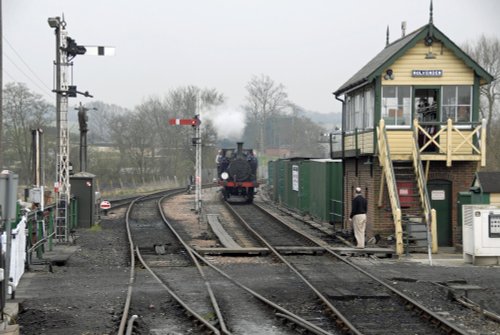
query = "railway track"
{"x": 321, "y": 293}
{"x": 194, "y": 297}
{"x": 359, "y": 302}
{"x": 152, "y": 243}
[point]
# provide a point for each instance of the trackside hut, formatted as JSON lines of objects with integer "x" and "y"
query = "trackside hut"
{"x": 488, "y": 184}
{"x": 412, "y": 137}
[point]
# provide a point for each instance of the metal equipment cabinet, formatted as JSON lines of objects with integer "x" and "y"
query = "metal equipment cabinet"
{"x": 84, "y": 190}
{"x": 481, "y": 234}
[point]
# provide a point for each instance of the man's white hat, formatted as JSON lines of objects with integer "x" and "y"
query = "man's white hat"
{"x": 358, "y": 189}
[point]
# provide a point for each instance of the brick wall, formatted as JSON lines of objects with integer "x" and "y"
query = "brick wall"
{"x": 365, "y": 181}
{"x": 461, "y": 175}
{"x": 379, "y": 219}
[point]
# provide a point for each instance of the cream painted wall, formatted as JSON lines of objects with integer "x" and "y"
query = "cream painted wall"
{"x": 455, "y": 72}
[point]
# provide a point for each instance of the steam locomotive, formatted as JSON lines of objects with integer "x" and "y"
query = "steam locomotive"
{"x": 237, "y": 173}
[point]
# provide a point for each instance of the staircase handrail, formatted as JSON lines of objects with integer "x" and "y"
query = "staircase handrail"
{"x": 419, "y": 172}
{"x": 424, "y": 194}
{"x": 388, "y": 171}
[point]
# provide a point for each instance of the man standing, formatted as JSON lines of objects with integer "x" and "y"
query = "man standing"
{"x": 358, "y": 217}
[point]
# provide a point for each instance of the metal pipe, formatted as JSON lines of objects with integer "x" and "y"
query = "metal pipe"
{"x": 342, "y": 138}
{"x": 37, "y": 157}
{"x": 40, "y": 242}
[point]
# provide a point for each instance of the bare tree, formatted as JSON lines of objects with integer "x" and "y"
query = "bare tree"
{"x": 183, "y": 102}
{"x": 100, "y": 116}
{"x": 265, "y": 99}
{"x": 486, "y": 51}
{"x": 294, "y": 131}
{"x": 148, "y": 146}
{"x": 23, "y": 112}
{"x": 493, "y": 157}
{"x": 119, "y": 127}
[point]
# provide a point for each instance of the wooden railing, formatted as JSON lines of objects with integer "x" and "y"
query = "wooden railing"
{"x": 384, "y": 157}
{"x": 453, "y": 148}
{"x": 429, "y": 213}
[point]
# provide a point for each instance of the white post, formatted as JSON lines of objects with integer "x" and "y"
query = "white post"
{"x": 198, "y": 181}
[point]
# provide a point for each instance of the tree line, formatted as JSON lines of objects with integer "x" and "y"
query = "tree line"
{"x": 127, "y": 148}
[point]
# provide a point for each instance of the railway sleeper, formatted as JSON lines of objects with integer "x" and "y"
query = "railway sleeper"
{"x": 300, "y": 250}
{"x": 445, "y": 328}
{"x": 287, "y": 250}
{"x": 345, "y": 294}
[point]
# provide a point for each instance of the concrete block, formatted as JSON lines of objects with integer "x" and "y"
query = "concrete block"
{"x": 486, "y": 260}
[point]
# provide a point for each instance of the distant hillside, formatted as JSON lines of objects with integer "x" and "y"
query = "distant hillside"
{"x": 329, "y": 121}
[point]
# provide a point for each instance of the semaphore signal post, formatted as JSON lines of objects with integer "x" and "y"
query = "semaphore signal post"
{"x": 66, "y": 51}
{"x": 195, "y": 123}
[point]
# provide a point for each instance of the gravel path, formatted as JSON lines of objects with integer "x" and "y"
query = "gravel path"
{"x": 85, "y": 296}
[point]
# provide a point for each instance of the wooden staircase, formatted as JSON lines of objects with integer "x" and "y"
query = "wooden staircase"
{"x": 413, "y": 220}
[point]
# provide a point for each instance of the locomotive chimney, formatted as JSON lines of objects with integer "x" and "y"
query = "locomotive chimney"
{"x": 239, "y": 152}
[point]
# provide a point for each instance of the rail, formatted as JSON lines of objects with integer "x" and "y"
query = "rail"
{"x": 196, "y": 256}
{"x": 134, "y": 251}
{"x": 210, "y": 328}
{"x": 384, "y": 157}
{"x": 282, "y": 312}
{"x": 453, "y": 149}
{"x": 341, "y": 318}
{"x": 425, "y": 313}
{"x": 213, "y": 300}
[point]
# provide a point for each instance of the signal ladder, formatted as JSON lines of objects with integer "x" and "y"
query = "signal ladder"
{"x": 61, "y": 217}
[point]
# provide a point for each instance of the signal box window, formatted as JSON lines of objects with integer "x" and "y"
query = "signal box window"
{"x": 396, "y": 105}
{"x": 457, "y": 102}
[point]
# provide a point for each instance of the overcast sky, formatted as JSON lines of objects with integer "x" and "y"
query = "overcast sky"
{"x": 310, "y": 46}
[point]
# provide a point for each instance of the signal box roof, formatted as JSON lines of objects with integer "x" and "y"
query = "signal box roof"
{"x": 396, "y": 49}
